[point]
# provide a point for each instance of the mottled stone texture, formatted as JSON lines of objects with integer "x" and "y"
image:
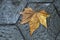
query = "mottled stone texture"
{"x": 8, "y": 32}
{"x": 57, "y": 6}
{"x": 58, "y": 36}
{"x": 25, "y": 31}
{"x": 40, "y": 0}
{"x": 9, "y": 11}
{"x": 53, "y": 23}
{"x": 11, "y": 29}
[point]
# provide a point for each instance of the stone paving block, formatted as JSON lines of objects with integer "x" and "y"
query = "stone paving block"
{"x": 25, "y": 31}
{"x": 10, "y": 9}
{"x": 53, "y": 20}
{"x": 10, "y": 32}
{"x": 57, "y": 5}
{"x": 40, "y": 0}
{"x": 42, "y": 33}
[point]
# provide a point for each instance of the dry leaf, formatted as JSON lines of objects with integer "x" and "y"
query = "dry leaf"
{"x": 27, "y": 13}
{"x": 34, "y": 18}
{"x": 33, "y": 23}
{"x": 42, "y": 15}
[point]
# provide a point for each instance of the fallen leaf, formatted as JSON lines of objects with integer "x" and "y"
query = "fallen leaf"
{"x": 33, "y": 23}
{"x": 34, "y": 18}
{"x": 27, "y": 13}
{"x": 42, "y": 16}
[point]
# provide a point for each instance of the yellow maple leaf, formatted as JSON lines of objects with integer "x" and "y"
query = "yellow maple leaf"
{"x": 34, "y": 18}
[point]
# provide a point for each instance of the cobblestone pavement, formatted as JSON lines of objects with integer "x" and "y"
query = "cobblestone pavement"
{"x": 10, "y": 29}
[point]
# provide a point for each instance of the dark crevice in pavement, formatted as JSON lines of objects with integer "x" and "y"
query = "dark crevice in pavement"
{"x": 19, "y": 28}
{"x": 26, "y": 4}
{"x": 59, "y": 16}
{"x": 6, "y": 24}
{"x": 41, "y": 2}
{"x": 56, "y": 10}
{"x": 18, "y": 21}
{"x": 20, "y": 15}
{"x": 21, "y": 32}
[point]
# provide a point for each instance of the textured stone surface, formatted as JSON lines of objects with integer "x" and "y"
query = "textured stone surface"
{"x": 25, "y": 31}
{"x": 57, "y": 5}
{"x": 53, "y": 20}
{"x": 9, "y": 10}
{"x": 8, "y": 32}
{"x": 9, "y": 14}
{"x": 53, "y": 23}
{"x": 40, "y": 0}
{"x": 1, "y": 1}
{"x": 58, "y": 36}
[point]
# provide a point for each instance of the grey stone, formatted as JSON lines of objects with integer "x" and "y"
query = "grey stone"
{"x": 42, "y": 33}
{"x": 25, "y": 31}
{"x": 8, "y": 32}
{"x": 1, "y": 1}
{"x": 40, "y": 0}
{"x": 53, "y": 20}
{"x": 57, "y": 6}
{"x": 9, "y": 11}
{"x": 58, "y": 36}
{"x": 9, "y": 14}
